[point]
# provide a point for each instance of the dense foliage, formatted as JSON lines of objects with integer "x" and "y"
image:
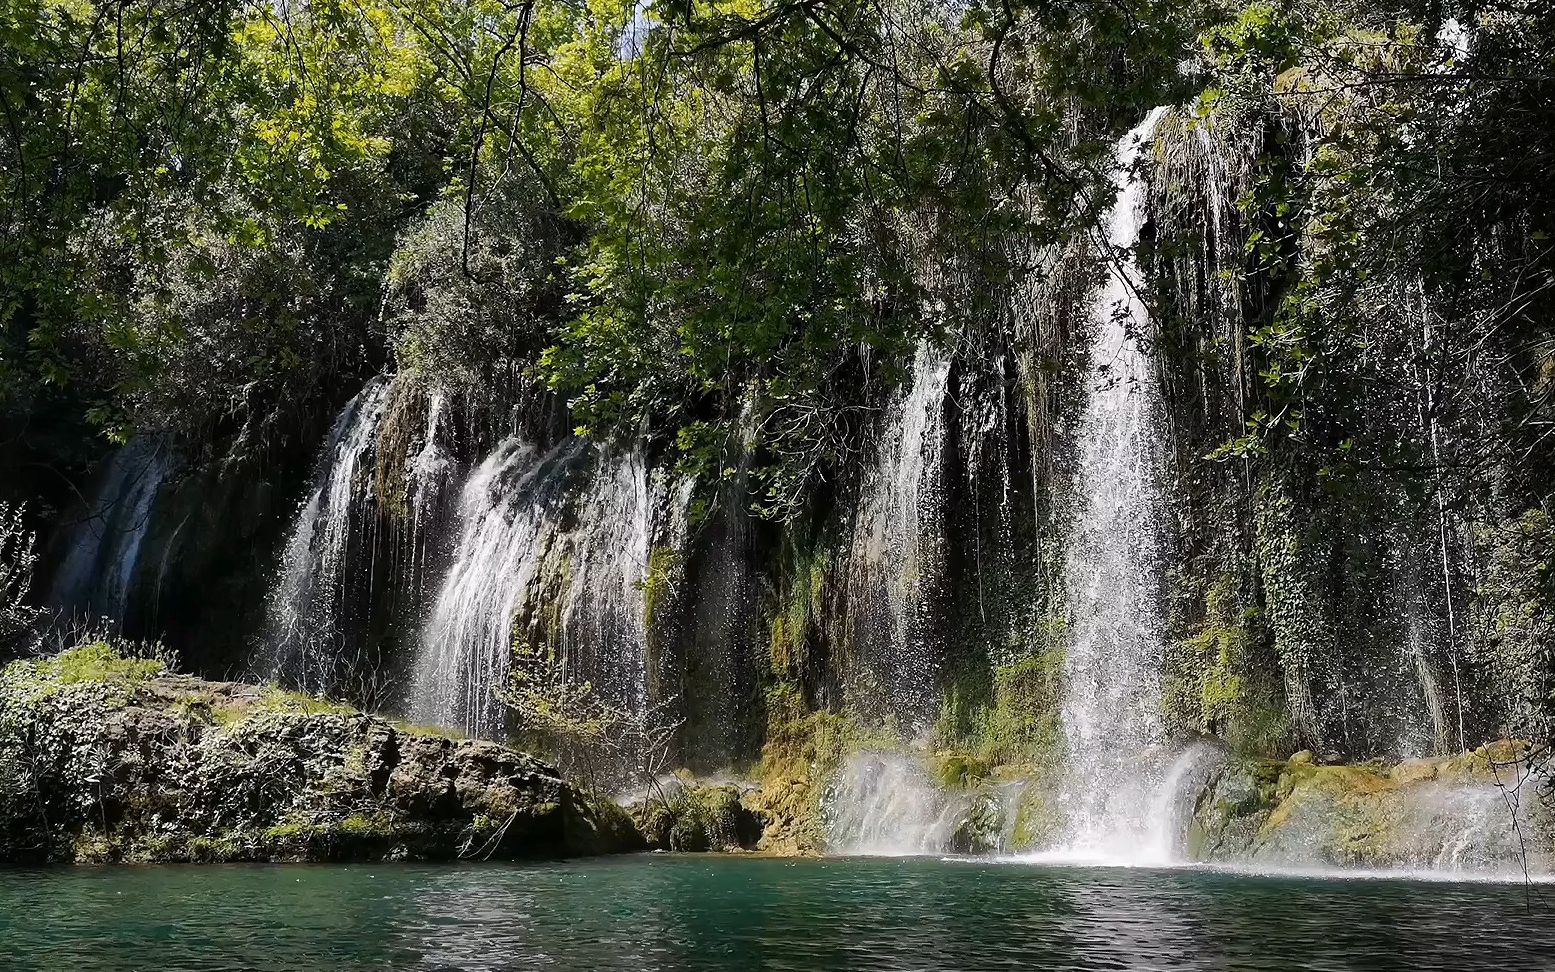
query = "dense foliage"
{"x": 663, "y": 211}
{"x": 667, "y": 210}
{"x": 709, "y": 222}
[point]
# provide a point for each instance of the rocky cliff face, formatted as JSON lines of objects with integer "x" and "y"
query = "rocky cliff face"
{"x": 104, "y": 758}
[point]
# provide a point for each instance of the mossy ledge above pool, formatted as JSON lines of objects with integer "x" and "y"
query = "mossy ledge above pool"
{"x": 110, "y": 759}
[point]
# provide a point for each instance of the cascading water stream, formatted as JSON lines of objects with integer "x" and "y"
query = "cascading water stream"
{"x": 465, "y": 643}
{"x": 1112, "y": 708}
{"x": 467, "y": 640}
{"x": 542, "y": 548}
{"x": 898, "y": 552}
{"x": 97, "y": 574}
{"x": 431, "y": 478}
{"x": 304, "y": 624}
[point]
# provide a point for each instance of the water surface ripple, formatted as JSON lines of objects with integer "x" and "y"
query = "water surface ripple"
{"x": 718, "y": 913}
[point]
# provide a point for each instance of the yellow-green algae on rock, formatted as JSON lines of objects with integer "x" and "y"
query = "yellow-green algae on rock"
{"x": 1473, "y": 811}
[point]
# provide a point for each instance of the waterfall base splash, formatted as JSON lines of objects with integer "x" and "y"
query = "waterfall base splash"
{"x": 885, "y": 804}
{"x": 1483, "y": 815}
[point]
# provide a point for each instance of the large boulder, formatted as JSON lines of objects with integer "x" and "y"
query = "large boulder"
{"x": 1486, "y": 810}
{"x": 110, "y": 759}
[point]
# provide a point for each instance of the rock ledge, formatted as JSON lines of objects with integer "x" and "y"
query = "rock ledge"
{"x": 106, "y": 759}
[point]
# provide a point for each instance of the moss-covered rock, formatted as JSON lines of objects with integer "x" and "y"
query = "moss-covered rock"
{"x": 698, "y": 818}
{"x": 1444, "y": 813}
{"x": 1219, "y": 683}
{"x": 803, "y": 751}
{"x": 110, "y": 759}
{"x": 1038, "y": 822}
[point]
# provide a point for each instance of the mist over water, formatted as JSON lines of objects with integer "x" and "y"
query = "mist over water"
{"x": 885, "y": 804}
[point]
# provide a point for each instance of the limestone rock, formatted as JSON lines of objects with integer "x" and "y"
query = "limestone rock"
{"x": 1445, "y": 813}
{"x": 139, "y": 765}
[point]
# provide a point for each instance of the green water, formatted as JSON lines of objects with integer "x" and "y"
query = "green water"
{"x": 696, "y": 913}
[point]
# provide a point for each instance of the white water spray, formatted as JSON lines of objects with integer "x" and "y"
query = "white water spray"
{"x": 885, "y": 805}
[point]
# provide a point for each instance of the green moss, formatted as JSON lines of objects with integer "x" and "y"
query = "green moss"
{"x": 792, "y": 624}
{"x": 803, "y": 751}
{"x": 1341, "y": 814}
{"x": 216, "y": 849}
{"x": 658, "y": 584}
{"x": 273, "y": 698}
{"x": 316, "y": 838}
{"x": 102, "y": 662}
{"x": 958, "y": 771}
{"x": 421, "y": 729}
{"x": 1038, "y": 821}
{"x": 153, "y": 848}
{"x": 126, "y": 845}
{"x": 228, "y": 714}
{"x": 228, "y": 711}
{"x": 286, "y": 832}
{"x": 1019, "y": 725}
{"x": 706, "y": 818}
{"x": 97, "y": 663}
{"x": 1216, "y": 688}
{"x": 364, "y": 825}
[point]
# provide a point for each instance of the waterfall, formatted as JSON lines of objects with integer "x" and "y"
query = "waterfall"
{"x": 465, "y": 646}
{"x": 1112, "y": 707}
{"x": 431, "y": 470}
{"x": 97, "y": 574}
{"x": 603, "y": 636}
{"x": 430, "y": 475}
{"x": 722, "y": 650}
{"x": 886, "y": 804}
{"x": 897, "y": 554}
{"x": 540, "y": 560}
{"x": 1413, "y": 688}
{"x": 305, "y": 624}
